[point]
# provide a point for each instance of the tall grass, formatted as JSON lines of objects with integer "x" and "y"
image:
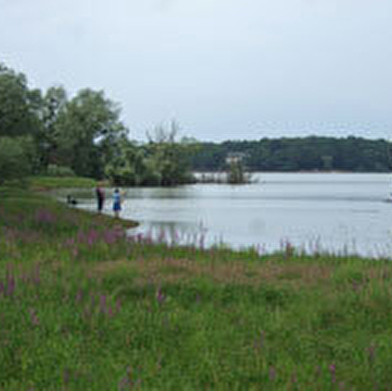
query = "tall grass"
{"x": 85, "y": 307}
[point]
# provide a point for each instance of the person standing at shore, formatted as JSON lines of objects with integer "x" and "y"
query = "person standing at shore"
{"x": 100, "y": 198}
{"x": 116, "y": 203}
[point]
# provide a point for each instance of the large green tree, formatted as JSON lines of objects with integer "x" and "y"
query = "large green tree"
{"x": 18, "y": 104}
{"x": 19, "y": 123}
{"x": 52, "y": 105}
{"x": 87, "y": 130}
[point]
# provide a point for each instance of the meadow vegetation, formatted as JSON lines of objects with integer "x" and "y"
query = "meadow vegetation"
{"x": 43, "y": 183}
{"x": 85, "y": 306}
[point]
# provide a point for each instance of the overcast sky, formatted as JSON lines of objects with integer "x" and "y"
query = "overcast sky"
{"x": 224, "y": 69}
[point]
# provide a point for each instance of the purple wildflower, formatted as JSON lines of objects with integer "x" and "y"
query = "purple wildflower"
{"x": 10, "y": 285}
{"x": 44, "y": 216}
{"x": 102, "y": 304}
{"x": 272, "y": 373}
{"x": 118, "y": 306}
{"x": 33, "y": 317}
{"x": 160, "y": 296}
{"x": 36, "y": 277}
{"x": 75, "y": 252}
{"x": 332, "y": 371}
{"x": 92, "y": 237}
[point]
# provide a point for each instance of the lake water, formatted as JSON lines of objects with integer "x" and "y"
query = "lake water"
{"x": 340, "y": 213}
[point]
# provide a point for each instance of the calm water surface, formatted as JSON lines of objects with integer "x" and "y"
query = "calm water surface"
{"x": 345, "y": 213}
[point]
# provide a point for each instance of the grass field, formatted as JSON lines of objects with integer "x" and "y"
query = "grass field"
{"x": 85, "y": 307}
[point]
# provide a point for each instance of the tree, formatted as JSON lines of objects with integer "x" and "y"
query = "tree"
{"x": 161, "y": 162}
{"x": 52, "y": 105}
{"x": 18, "y": 123}
{"x": 88, "y": 128}
{"x": 128, "y": 166}
{"x": 170, "y": 158}
{"x": 17, "y": 104}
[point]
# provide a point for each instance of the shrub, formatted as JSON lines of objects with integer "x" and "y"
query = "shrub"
{"x": 61, "y": 171}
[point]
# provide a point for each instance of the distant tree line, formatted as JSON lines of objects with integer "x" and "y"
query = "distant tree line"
{"x": 299, "y": 154}
{"x": 49, "y": 133}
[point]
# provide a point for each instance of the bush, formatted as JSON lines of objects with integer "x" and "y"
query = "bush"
{"x": 62, "y": 171}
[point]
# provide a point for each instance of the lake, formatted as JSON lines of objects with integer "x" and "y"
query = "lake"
{"x": 335, "y": 212}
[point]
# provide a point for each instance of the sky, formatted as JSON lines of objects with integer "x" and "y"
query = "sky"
{"x": 223, "y": 69}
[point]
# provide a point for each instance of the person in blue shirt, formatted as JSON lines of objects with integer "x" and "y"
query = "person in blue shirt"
{"x": 116, "y": 203}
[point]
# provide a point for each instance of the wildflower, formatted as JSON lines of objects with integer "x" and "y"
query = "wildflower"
{"x": 79, "y": 296}
{"x": 102, "y": 304}
{"x": 91, "y": 237}
{"x": 294, "y": 378}
{"x": 160, "y": 296}
{"x": 118, "y": 306}
{"x": 33, "y": 317}
{"x": 126, "y": 381}
{"x": 44, "y": 216}
{"x": 272, "y": 373}
{"x": 332, "y": 370}
{"x": 36, "y": 278}
{"x": 10, "y": 285}
{"x": 371, "y": 351}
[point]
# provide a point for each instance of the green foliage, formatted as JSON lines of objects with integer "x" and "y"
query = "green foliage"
{"x": 14, "y": 158}
{"x": 56, "y": 182}
{"x": 162, "y": 162}
{"x": 295, "y": 154}
{"x": 236, "y": 173}
{"x": 54, "y": 170}
{"x": 127, "y": 168}
{"x": 52, "y": 105}
{"x": 80, "y": 133}
{"x": 17, "y": 104}
{"x": 88, "y": 127}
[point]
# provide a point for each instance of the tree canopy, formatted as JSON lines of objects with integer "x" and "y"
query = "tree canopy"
{"x": 299, "y": 154}
{"x": 18, "y": 104}
{"x": 84, "y": 135}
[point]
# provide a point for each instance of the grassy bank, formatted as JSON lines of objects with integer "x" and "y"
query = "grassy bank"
{"x": 83, "y": 307}
{"x": 49, "y": 183}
